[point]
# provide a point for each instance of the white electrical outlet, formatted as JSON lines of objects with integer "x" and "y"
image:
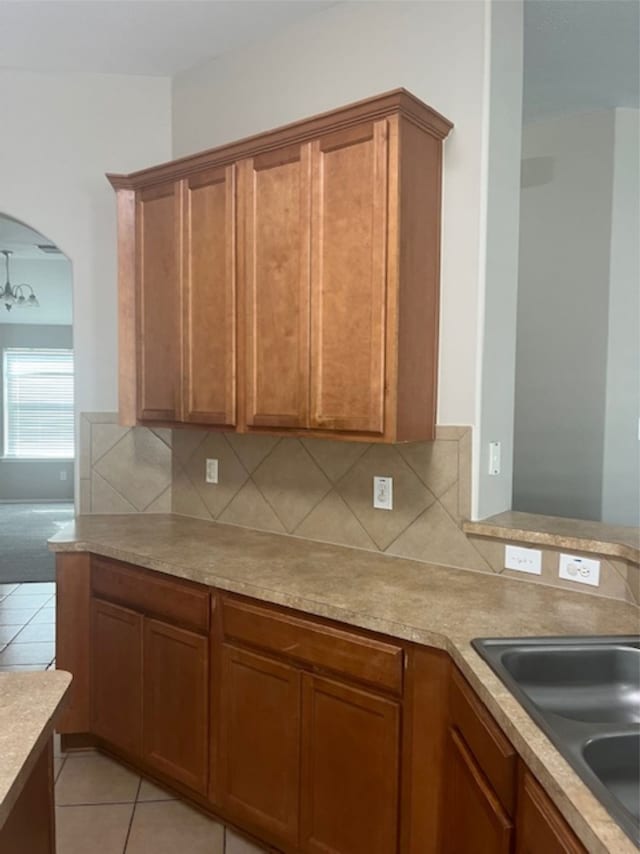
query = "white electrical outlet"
{"x": 523, "y": 560}
{"x": 582, "y": 570}
{"x": 383, "y": 493}
{"x": 495, "y": 455}
{"x": 211, "y": 471}
{"x": 63, "y": 474}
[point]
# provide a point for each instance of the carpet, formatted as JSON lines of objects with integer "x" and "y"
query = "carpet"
{"x": 24, "y": 531}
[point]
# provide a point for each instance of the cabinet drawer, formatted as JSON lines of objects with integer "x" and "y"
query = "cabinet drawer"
{"x": 487, "y": 742}
{"x": 177, "y": 601}
{"x": 353, "y": 656}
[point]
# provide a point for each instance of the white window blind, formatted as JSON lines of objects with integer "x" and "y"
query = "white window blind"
{"x": 38, "y": 403}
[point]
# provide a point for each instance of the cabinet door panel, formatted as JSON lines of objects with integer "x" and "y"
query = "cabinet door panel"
{"x": 474, "y": 818}
{"x": 348, "y": 279}
{"x": 175, "y": 703}
{"x": 209, "y": 296}
{"x": 276, "y": 199}
{"x": 350, "y": 766}
{"x": 158, "y": 303}
{"x": 260, "y": 743}
{"x": 116, "y": 675}
{"x": 540, "y": 827}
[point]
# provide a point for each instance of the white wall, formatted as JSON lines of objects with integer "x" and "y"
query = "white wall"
{"x": 499, "y": 259}
{"x": 621, "y": 467}
{"x": 563, "y": 303}
{"x": 61, "y": 133}
{"x": 350, "y": 51}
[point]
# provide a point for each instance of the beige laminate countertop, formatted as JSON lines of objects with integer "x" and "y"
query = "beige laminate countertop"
{"x": 559, "y": 532}
{"x": 430, "y": 605}
{"x": 28, "y": 704}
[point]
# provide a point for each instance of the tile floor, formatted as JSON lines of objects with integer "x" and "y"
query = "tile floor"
{"x": 100, "y": 805}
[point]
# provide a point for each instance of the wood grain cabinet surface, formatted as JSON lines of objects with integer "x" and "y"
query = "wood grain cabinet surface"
{"x": 289, "y": 282}
{"x": 540, "y": 827}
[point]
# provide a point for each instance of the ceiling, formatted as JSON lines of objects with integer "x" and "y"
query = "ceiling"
{"x": 580, "y": 55}
{"x": 151, "y": 37}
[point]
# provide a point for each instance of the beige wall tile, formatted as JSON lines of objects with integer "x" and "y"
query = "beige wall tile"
{"x": 105, "y": 499}
{"x": 103, "y": 828}
{"x": 410, "y": 495}
{"x": 335, "y": 458}
{"x": 291, "y": 482}
{"x": 138, "y": 467}
{"x": 162, "y": 504}
{"x": 435, "y": 463}
{"x": 465, "y": 473}
{"x": 251, "y": 510}
{"x": 251, "y": 449}
{"x": 172, "y": 826}
{"x": 104, "y": 437}
{"x": 450, "y": 500}
{"x": 185, "y": 441}
{"x": 84, "y": 450}
{"x": 333, "y": 522}
{"x": 185, "y": 498}
{"x": 491, "y": 550}
{"x": 434, "y": 537}
{"x": 231, "y": 473}
{"x": 633, "y": 579}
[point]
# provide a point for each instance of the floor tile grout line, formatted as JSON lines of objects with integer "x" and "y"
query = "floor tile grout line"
{"x": 98, "y": 804}
{"x": 133, "y": 812}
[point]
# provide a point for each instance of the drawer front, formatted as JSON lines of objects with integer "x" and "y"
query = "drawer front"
{"x": 371, "y": 661}
{"x": 491, "y": 748}
{"x": 177, "y": 601}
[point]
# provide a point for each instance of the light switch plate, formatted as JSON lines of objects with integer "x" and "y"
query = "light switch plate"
{"x": 211, "y": 471}
{"x": 582, "y": 570}
{"x": 383, "y": 493}
{"x": 523, "y": 560}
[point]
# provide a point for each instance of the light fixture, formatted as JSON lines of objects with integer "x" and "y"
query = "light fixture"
{"x": 16, "y": 295}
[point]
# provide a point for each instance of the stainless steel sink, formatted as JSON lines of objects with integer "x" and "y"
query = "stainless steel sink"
{"x": 585, "y": 694}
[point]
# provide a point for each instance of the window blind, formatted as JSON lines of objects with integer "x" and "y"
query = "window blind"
{"x": 38, "y": 403}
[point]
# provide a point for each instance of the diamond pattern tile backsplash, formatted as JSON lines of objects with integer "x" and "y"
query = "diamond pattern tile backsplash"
{"x": 312, "y": 488}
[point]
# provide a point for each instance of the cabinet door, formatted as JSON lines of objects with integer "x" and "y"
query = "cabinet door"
{"x": 159, "y": 319}
{"x": 350, "y": 766}
{"x": 210, "y": 297}
{"x": 539, "y": 825}
{"x": 116, "y": 676}
{"x": 259, "y": 743}
{"x": 474, "y": 818}
{"x": 275, "y": 194}
{"x": 348, "y": 279}
{"x": 175, "y": 703}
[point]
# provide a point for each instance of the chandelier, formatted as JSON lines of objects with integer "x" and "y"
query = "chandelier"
{"x": 16, "y": 294}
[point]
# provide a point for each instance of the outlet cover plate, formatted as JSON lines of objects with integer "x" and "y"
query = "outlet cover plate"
{"x": 523, "y": 560}
{"x": 211, "y": 471}
{"x": 582, "y": 570}
{"x": 383, "y": 493}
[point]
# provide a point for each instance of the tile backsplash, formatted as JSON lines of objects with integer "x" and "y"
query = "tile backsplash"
{"x": 311, "y": 488}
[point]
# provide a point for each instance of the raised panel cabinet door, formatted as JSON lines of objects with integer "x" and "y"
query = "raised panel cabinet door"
{"x": 210, "y": 297}
{"x": 175, "y": 703}
{"x": 539, "y": 825}
{"x": 348, "y": 279}
{"x": 259, "y": 743}
{"x": 350, "y": 768}
{"x": 158, "y": 308}
{"x": 116, "y": 676}
{"x": 474, "y": 819}
{"x": 275, "y": 196}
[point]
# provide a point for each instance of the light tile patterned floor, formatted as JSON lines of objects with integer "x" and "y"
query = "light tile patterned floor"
{"x": 100, "y": 805}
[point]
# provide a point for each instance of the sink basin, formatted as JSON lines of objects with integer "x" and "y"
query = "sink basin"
{"x": 615, "y": 759}
{"x": 600, "y": 684}
{"x": 584, "y": 693}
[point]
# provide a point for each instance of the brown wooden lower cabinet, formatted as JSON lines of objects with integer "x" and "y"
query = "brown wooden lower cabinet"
{"x": 475, "y": 820}
{"x": 541, "y": 828}
{"x": 175, "y": 721}
{"x": 315, "y": 738}
{"x": 259, "y": 749}
{"x": 30, "y": 826}
{"x": 350, "y": 769}
{"x": 116, "y": 676}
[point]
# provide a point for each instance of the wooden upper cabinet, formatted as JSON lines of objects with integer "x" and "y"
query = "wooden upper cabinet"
{"x": 348, "y": 279}
{"x": 209, "y": 277}
{"x": 275, "y": 204}
{"x": 324, "y": 237}
{"x": 159, "y": 322}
